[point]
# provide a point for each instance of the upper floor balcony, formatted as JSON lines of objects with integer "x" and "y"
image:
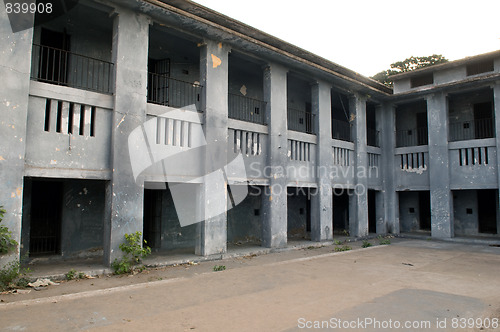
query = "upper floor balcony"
{"x": 302, "y": 121}
{"x": 62, "y": 67}
{"x": 167, "y": 91}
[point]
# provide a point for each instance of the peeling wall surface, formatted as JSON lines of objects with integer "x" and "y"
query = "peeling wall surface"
{"x": 113, "y": 111}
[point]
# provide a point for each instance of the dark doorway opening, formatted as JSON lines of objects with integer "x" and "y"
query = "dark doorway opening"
{"x": 299, "y": 213}
{"x": 340, "y": 212}
{"x": 152, "y": 217}
{"x": 487, "y": 206}
{"x": 422, "y": 132}
{"x": 483, "y": 120}
{"x": 424, "y": 202}
{"x": 45, "y": 221}
{"x": 54, "y": 56}
{"x": 372, "y": 212}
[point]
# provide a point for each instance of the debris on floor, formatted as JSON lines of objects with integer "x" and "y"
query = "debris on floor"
{"x": 42, "y": 283}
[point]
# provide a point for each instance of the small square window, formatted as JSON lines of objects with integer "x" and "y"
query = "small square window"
{"x": 466, "y": 125}
{"x": 301, "y": 211}
{"x": 257, "y": 110}
{"x": 256, "y": 212}
{"x": 301, "y": 120}
{"x": 412, "y": 210}
{"x": 469, "y": 211}
{"x": 185, "y": 72}
{"x": 410, "y": 133}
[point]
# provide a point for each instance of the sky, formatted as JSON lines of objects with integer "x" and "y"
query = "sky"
{"x": 368, "y": 35}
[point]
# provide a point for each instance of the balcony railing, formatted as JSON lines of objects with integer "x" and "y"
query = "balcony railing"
{"x": 167, "y": 91}
{"x": 300, "y": 121}
{"x": 61, "y": 67}
{"x": 412, "y": 137}
{"x": 372, "y": 137}
{"x": 246, "y": 109}
{"x": 472, "y": 129}
{"x": 341, "y": 130}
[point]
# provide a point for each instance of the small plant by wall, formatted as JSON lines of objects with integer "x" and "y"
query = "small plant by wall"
{"x": 133, "y": 253}
{"x": 7, "y": 243}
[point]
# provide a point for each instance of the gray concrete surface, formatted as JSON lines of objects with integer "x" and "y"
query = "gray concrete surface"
{"x": 409, "y": 280}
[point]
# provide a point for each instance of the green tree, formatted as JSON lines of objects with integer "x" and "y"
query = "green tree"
{"x": 409, "y": 64}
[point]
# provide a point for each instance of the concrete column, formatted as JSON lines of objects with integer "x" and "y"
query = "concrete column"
{"x": 439, "y": 173}
{"x": 496, "y": 110}
{"x": 212, "y": 231}
{"x": 390, "y": 196}
{"x": 274, "y": 198}
{"x": 125, "y": 196}
{"x": 14, "y": 97}
{"x": 358, "y": 213}
{"x": 322, "y": 200}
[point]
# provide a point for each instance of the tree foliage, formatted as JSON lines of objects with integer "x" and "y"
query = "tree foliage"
{"x": 409, "y": 64}
{"x": 7, "y": 243}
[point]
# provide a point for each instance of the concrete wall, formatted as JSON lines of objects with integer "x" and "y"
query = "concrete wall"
{"x": 244, "y": 222}
{"x": 409, "y": 211}
{"x": 465, "y": 210}
{"x": 245, "y": 78}
{"x": 297, "y": 213}
{"x": 173, "y": 236}
{"x": 82, "y": 218}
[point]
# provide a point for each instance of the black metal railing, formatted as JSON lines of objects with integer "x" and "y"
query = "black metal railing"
{"x": 341, "y": 130}
{"x": 167, "y": 91}
{"x": 300, "y": 121}
{"x": 472, "y": 129}
{"x": 246, "y": 109}
{"x": 412, "y": 137}
{"x": 61, "y": 67}
{"x": 372, "y": 137}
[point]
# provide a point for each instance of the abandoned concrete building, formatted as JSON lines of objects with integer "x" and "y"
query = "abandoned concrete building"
{"x": 102, "y": 123}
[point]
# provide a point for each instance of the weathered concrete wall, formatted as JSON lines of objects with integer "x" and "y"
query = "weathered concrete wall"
{"x": 173, "y": 236}
{"x": 465, "y": 212}
{"x": 297, "y": 213}
{"x": 409, "y": 211}
{"x": 82, "y": 218}
{"x": 245, "y": 78}
{"x": 244, "y": 222}
{"x": 15, "y": 59}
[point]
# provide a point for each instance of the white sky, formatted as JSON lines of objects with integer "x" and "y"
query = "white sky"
{"x": 368, "y": 35}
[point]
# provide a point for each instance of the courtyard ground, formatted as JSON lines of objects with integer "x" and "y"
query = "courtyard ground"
{"x": 417, "y": 285}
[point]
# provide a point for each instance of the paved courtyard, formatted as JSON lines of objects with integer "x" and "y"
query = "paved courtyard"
{"x": 415, "y": 285}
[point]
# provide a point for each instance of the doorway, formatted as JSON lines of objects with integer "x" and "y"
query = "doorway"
{"x": 45, "y": 221}
{"x": 152, "y": 217}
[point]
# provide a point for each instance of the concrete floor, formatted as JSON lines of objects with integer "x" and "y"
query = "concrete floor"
{"x": 409, "y": 280}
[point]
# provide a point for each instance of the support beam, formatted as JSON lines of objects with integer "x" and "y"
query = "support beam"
{"x": 439, "y": 173}
{"x": 274, "y": 198}
{"x": 212, "y": 231}
{"x": 322, "y": 200}
{"x": 125, "y": 195}
{"x": 14, "y": 99}
{"x": 358, "y": 214}
{"x": 496, "y": 112}
{"x": 390, "y": 196}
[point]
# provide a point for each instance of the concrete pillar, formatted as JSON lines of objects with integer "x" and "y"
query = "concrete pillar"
{"x": 439, "y": 173}
{"x": 322, "y": 200}
{"x": 14, "y": 97}
{"x": 212, "y": 231}
{"x": 390, "y": 196}
{"x": 358, "y": 213}
{"x": 496, "y": 110}
{"x": 274, "y": 198}
{"x": 125, "y": 196}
